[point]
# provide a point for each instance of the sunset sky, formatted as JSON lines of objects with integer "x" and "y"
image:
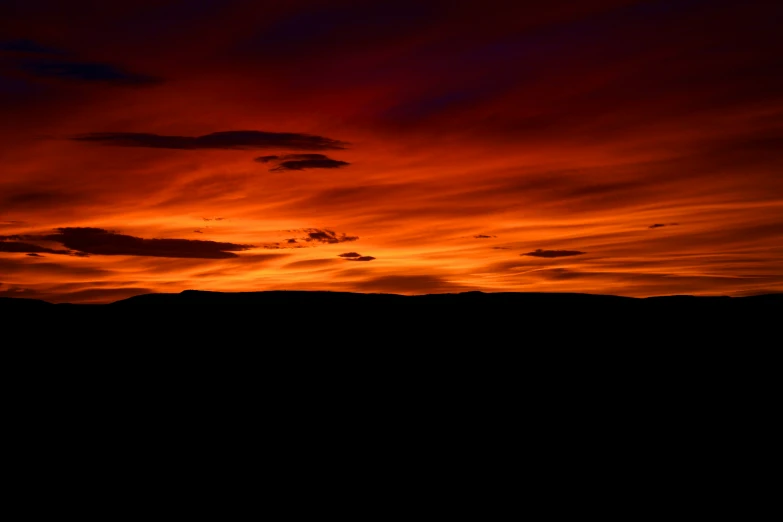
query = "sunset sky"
{"x": 613, "y": 147}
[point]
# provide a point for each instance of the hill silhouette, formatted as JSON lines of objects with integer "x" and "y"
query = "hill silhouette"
{"x": 468, "y": 301}
{"x": 503, "y": 349}
{"x": 343, "y": 317}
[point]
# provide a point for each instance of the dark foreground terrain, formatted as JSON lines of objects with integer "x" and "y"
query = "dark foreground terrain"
{"x": 467, "y": 301}
{"x": 215, "y": 300}
{"x": 505, "y": 354}
{"x": 356, "y": 319}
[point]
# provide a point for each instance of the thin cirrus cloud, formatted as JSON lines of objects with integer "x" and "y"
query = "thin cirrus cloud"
{"x": 14, "y": 199}
{"x": 88, "y": 72}
{"x": 410, "y": 284}
{"x": 43, "y": 61}
{"x": 553, "y": 253}
{"x": 238, "y": 139}
{"x": 301, "y": 162}
{"x": 88, "y": 240}
{"x": 100, "y": 293}
{"x": 267, "y": 159}
{"x": 22, "y": 45}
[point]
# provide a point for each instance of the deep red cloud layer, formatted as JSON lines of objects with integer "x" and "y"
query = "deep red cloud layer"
{"x": 624, "y": 147}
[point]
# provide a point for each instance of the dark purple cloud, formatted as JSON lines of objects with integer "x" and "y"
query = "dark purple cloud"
{"x": 239, "y": 139}
{"x": 659, "y": 225}
{"x": 355, "y": 256}
{"x": 20, "y": 199}
{"x": 284, "y": 157}
{"x": 310, "y": 164}
{"x": 327, "y": 236}
{"x": 553, "y": 253}
{"x": 27, "y": 46}
{"x": 302, "y": 161}
{"x": 24, "y": 247}
{"x": 87, "y": 72}
{"x": 87, "y": 240}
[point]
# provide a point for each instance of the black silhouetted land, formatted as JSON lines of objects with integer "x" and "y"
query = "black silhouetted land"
{"x": 355, "y": 319}
{"x": 497, "y": 352}
{"x": 268, "y": 301}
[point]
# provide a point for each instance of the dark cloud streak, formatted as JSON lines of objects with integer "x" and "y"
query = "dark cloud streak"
{"x": 659, "y": 225}
{"x": 310, "y": 164}
{"x": 355, "y": 256}
{"x": 23, "y": 247}
{"x": 553, "y": 253}
{"x": 239, "y": 139}
{"x": 88, "y": 240}
{"x": 87, "y": 72}
{"x": 327, "y": 236}
{"x": 302, "y": 161}
{"x": 27, "y": 46}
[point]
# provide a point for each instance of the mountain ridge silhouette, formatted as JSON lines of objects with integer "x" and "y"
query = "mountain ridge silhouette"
{"x": 206, "y": 297}
{"x": 469, "y": 297}
{"x": 331, "y": 333}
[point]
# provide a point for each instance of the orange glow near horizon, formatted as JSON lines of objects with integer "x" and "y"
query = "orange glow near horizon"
{"x": 606, "y": 147}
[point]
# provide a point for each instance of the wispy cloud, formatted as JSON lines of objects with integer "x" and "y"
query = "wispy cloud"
{"x": 97, "y": 241}
{"x": 553, "y": 253}
{"x": 326, "y": 236}
{"x": 22, "y": 45}
{"x": 8, "y": 245}
{"x": 301, "y": 162}
{"x": 238, "y": 139}
{"x": 88, "y": 72}
{"x": 659, "y": 225}
{"x": 410, "y": 284}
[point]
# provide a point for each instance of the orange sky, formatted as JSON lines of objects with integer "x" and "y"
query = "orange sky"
{"x": 615, "y": 147}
